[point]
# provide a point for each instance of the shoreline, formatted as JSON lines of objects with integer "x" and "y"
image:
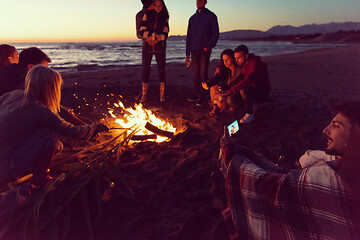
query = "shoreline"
{"x": 101, "y": 56}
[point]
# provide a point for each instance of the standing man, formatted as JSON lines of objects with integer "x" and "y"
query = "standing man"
{"x": 202, "y": 36}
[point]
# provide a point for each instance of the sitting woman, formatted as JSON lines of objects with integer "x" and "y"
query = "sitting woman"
{"x": 8, "y": 55}
{"x": 30, "y": 127}
{"x": 226, "y": 76}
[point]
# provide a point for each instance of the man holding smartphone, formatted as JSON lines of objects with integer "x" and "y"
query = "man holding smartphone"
{"x": 317, "y": 202}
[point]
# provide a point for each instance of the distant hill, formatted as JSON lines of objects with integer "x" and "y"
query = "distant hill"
{"x": 284, "y": 31}
{"x": 243, "y": 34}
{"x": 340, "y": 37}
{"x": 314, "y": 28}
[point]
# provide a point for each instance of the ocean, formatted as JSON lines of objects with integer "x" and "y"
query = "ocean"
{"x": 79, "y": 56}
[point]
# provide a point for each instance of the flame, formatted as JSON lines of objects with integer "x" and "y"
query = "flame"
{"x": 136, "y": 118}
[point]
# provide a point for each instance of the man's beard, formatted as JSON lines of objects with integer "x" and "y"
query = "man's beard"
{"x": 332, "y": 151}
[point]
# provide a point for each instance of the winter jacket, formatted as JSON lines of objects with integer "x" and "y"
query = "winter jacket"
{"x": 254, "y": 73}
{"x": 203, "y": 31}
{"x": 152, "y": 23}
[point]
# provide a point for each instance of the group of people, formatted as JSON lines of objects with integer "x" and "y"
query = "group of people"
{"x": 242, "y": 78}
{"x": 319, "y": 201}
{"x": 31, "y": 117}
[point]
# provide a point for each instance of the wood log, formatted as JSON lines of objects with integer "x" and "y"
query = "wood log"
{"x": 143, "y": 137}
{"x": 158, "y": 131}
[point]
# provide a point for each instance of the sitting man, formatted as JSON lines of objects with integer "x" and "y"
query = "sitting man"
{"x": 254, "y": 85}
{"x": 318, "y": 202}
{"x": 336, "y": 143}
{"x": 12, "y": 77}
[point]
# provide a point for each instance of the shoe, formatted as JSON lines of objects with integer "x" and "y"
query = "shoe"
{"x": 255, "y": 107}
{"x": 193, "y": 98}
{"x": 162, "y": 92}
{"x": 214, "y": 112}
{"x": 145, "y": 87}
{"x": 247, "y": 118}
{"x": 199, "y": 103}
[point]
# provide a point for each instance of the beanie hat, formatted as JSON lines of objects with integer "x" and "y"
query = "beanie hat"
{"x": 146, "y": 3}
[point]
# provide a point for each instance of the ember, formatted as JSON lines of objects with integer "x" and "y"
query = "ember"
{"x": 148, "y": 127}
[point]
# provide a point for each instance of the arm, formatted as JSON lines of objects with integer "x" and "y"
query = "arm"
{"x": 165, "y": 32}
{"x": 69, "y": 116}
{"x": 144, "y": 32}
{"x": 188, "y": 40}
{"x": 247, "y": 78}
{"x": 214, "y": 32}
{"x": 219, "y": 77}
{"x": 84, "y": 132}
{"x": 348, "y": 167}
{"x": 138, "y": 19}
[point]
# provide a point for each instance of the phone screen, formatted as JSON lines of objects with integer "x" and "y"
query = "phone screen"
{"x": 233, "y": 128}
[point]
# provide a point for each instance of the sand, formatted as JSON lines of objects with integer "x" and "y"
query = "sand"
{"x": 177, "y": 194}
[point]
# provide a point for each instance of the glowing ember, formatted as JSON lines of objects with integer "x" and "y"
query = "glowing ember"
{"x": 137, "y": 119}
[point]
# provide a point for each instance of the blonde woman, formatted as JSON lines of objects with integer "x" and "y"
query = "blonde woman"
{"x": 30, "y": 127}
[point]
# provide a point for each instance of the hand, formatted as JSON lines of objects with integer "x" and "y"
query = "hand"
{"x": 225, "y": 139}
{"x": 225, "y": 93}
{"x": 217, "y": 71}
{"x": 157, "y": 37}
{"x": 153, "y": 43}
{"x": 227, "y": 147}
{"x": 205, "y": 86}
{"x": 149, "y": 39}
{"x": 187, "y": 61}
{"x": 99, "y": 128}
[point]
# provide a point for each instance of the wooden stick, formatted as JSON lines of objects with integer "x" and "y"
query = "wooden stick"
{"x": 158, "y": 131}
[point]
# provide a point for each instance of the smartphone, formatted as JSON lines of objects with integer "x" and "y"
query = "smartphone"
{"x": 233, "y": 128}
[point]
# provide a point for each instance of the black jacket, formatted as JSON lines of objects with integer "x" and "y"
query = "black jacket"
{"x": 154, "y": 22}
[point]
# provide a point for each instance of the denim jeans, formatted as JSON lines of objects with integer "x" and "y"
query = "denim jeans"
{"x": 146, "y": 65}
{"x": 200, "y": 63}
{"x": 252, "y": 95}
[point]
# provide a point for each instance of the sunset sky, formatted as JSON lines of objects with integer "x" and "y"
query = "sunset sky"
{"x": 114, "y": 20}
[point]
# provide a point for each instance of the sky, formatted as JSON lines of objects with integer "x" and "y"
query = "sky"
{"x": 114, "y": 20}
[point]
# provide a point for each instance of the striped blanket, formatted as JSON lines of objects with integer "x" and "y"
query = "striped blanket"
{"x": 266, "y": 202}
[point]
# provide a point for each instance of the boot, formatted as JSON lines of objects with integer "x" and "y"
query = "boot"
{"x": 144, "y": 92}
{"x": 162, "y": 92}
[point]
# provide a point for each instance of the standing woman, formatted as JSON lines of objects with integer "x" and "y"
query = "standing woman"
{"x": 154, "y": 29}
{"x": 8, "y": 55}
{"x": 30, "y": 127}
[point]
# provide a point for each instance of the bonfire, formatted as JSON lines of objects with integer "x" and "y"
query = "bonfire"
{"x": 91, "y": 171}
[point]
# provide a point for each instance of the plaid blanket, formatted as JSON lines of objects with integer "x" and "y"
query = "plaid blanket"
{"x": 266, "y": 202}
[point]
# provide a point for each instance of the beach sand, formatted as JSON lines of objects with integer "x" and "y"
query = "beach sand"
{"x": 177, "y": 196}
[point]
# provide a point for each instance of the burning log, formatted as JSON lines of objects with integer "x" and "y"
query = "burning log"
{"x": 143, "y": 137}
{"x": 158, "y": 131}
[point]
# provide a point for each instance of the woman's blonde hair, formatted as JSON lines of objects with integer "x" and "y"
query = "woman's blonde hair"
{"x": 43, "y": 84}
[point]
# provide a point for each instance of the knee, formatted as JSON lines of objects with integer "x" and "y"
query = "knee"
{"x": 53, "y": 142}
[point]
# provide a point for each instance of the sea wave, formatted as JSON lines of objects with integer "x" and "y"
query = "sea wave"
{"x": 74, "y": 56}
